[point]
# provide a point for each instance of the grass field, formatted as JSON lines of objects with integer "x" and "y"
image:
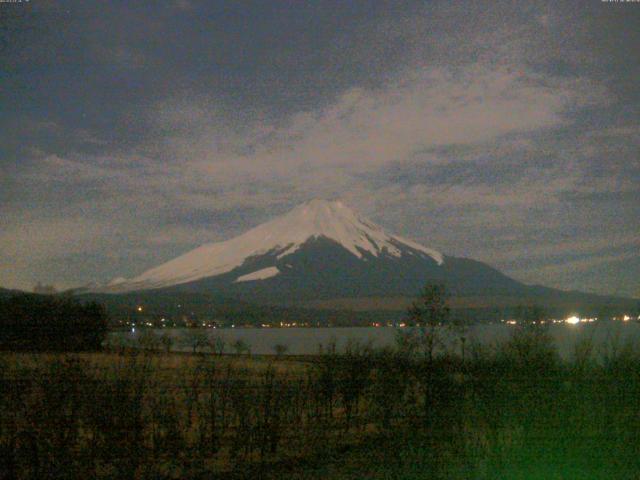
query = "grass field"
{"x": 514, "y": 412}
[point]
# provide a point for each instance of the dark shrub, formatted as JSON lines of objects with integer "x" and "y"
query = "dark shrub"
{"x": 51, "y": 323}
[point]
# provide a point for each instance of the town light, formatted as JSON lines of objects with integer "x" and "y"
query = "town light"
{"x": 572, "y": 320}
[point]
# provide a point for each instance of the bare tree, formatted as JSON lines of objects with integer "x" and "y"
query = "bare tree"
{"x": 280, "y": 349}
{"x": 240, "y": 347}
{"x": 149, "y": 341}
{"x": 427, "y": 315}
{"x": 196, "y": 339}
{"x": 167, "y": 341}
{"x": 217, "y": 344}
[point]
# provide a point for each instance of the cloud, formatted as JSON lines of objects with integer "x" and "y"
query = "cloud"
{"x": 30, "y": 239}
{"x": 364, "y": 128}
{"x": 586, "y": 273}
{"x": 475, "y": 130}
{"x": 198, "y": 161}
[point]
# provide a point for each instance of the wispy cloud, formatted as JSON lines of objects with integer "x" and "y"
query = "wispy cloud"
{"x": 364, "y": 128}
{"x": 480, "y": 130}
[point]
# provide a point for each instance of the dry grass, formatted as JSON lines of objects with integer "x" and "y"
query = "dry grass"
{"x": 375, "y": 413}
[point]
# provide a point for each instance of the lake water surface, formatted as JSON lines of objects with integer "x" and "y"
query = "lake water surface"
{"x": 306, "y": 341}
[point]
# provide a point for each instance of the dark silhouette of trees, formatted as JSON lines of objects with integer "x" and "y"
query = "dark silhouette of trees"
{"x": 427, "y": 314}
{"x": 167, "y": 342}
{"x": 196, "y": 339}
{"x": 280, "y": 349}
{"x": 217, "y": 344}
{"x": 530, "y": 345}
{"x": 240, "y": 347}
{"x": 51, "y": 323}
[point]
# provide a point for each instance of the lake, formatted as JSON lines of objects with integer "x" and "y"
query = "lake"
{"x": 306, "y": 341}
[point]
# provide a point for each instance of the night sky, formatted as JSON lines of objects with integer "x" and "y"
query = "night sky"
{"x": 508, "y": 132}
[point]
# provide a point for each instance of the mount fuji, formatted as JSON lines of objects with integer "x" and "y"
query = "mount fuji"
{"x": 323, "y": 251}
{"x": 271, "y": 249}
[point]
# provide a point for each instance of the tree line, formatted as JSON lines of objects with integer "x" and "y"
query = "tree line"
{"x": 31, "y": 322}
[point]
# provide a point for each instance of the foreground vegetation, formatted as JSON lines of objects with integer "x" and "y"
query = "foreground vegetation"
{"x": 515, "y": 411}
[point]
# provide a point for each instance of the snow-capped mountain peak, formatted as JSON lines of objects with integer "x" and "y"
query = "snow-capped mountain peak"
{"x": 281, "y": 236}
{"x": 336, "y": 221}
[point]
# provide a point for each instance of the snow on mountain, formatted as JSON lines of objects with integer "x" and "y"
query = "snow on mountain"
{"x": 281, "y": 236}
{"x": 259, "y": 275}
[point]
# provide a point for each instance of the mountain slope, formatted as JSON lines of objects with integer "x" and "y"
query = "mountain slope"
{"x": 323, "y": 250}
{"x": 279, "y": 239}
